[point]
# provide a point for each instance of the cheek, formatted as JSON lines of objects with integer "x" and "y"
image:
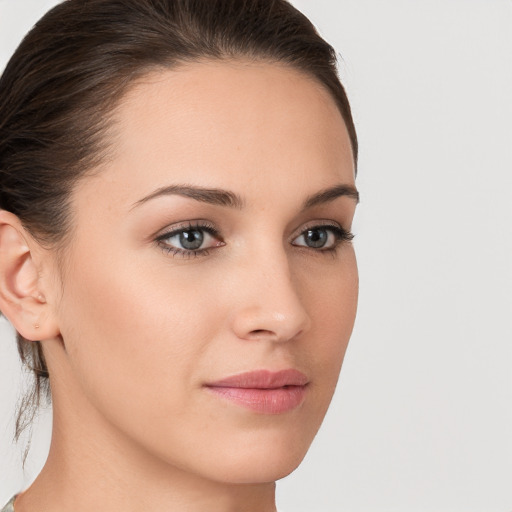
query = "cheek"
{"x": 331, "y": 299}
{"x": 132, "y": 330}
{"x": 330, "y": 294}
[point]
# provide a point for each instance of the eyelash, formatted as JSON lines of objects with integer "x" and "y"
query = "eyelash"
{"x": 341, "y": 236}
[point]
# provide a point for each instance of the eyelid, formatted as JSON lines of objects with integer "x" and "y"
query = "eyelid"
{"x": 178, "y": 227}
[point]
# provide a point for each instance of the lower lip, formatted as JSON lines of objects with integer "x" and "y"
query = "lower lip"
{"x": 265, "y": 401}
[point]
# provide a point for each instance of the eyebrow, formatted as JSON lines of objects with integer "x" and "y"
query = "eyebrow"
{"x": 220, "y": 197}
{"x": 213, "y": 196}
{"x": 331, "y": 193}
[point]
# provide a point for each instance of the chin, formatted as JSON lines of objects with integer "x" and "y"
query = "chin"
{"x": 265, "y": 458}
{"x": 258, "y": 470}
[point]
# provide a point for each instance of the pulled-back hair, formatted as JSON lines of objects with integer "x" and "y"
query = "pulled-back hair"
{"x": 60, "y": 89}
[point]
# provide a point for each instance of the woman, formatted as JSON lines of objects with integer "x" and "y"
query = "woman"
{"x": 176, "y": 193}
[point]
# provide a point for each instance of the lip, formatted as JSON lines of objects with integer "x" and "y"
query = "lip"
{"x": 263, "y": 391}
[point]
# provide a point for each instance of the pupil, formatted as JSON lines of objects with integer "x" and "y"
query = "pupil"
{"x": 316, "y": 238}
{"x": 191, "y": 239}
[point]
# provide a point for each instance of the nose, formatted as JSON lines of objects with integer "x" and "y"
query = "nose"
{"x": 268, "y": 305}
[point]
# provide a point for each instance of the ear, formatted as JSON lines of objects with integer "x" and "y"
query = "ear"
{"x": 22, "y": 299}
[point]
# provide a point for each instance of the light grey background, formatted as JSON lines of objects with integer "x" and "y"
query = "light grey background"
{"x": 422, "y": 419}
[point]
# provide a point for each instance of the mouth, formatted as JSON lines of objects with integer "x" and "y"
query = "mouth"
{"x": 263, "y": 391}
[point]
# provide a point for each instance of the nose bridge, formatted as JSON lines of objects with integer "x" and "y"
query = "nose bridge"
{"x": 270, "y": 305}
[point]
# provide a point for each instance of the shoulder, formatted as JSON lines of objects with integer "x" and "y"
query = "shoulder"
{"x": 10, "y": 506}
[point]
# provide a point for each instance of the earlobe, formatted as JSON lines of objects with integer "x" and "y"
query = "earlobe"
{"x": 21, "y": 299}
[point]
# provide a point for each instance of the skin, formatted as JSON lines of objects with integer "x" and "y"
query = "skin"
{"x": 132, "y": 332}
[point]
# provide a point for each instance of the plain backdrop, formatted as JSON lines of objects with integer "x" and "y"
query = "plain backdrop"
{"x": 422, "y": 417}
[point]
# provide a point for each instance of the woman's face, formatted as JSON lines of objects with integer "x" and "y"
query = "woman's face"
{"x": 213, "y": 243}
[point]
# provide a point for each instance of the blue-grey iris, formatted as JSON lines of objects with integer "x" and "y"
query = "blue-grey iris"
{"x": 316, "y": 238}
{"x": 191, "y": 239}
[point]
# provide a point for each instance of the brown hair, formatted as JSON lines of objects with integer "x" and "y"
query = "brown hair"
{"x": 65, "y": 79}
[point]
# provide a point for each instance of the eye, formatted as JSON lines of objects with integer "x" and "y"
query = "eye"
{"x": 191, "y": 240}
{"x": 326, "y": 237}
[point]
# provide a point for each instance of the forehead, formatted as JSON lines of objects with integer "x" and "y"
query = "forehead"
{"x": 228, "y": 124}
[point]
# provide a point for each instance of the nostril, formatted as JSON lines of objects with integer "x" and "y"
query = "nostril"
{"x": 266, "y": 334}
{"x": 261, "y": 332}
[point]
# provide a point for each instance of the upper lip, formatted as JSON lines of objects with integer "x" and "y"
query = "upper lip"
{"x": 263, "y": 379}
